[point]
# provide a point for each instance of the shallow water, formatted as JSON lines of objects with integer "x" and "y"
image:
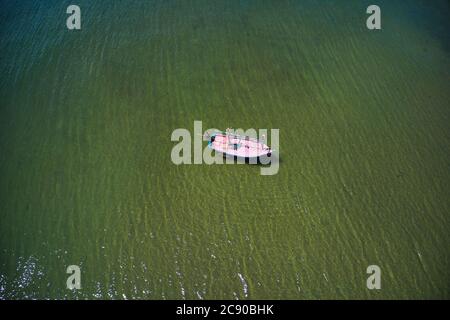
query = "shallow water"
{"x": 86, "y": 177}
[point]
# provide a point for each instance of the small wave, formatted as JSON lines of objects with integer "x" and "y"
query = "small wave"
{"x": 244, "y": 285}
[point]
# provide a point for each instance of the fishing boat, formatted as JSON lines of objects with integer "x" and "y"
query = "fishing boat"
{"x": 237, "y": 146}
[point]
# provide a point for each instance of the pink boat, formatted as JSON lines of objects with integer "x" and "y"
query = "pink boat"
{"x": 237, "y": 146}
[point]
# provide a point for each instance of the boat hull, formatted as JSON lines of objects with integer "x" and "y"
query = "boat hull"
{"x": 240, "y": 148}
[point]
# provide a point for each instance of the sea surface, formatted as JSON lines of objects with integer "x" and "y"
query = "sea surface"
{"x": 86, "y": 176}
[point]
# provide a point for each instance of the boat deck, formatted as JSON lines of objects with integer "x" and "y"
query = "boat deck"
{"x": 244, "y": 147}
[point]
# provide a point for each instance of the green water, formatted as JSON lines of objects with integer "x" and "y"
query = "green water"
{"x": 86, "y": 177}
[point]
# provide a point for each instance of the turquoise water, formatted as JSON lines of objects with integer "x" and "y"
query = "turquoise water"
{"x": 86, "y": 178}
